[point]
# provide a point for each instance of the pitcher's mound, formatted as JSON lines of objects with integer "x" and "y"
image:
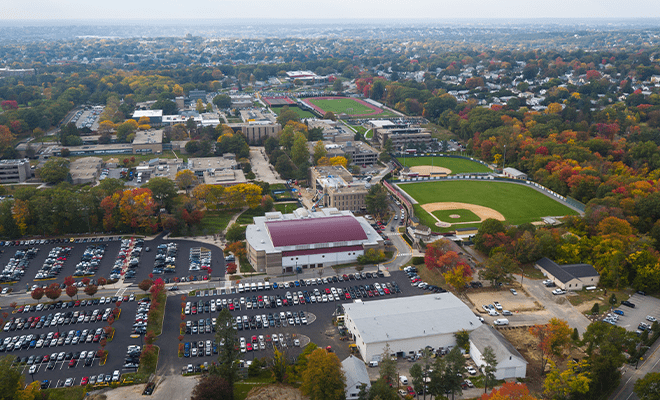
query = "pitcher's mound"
{"x": 455, "y": 216}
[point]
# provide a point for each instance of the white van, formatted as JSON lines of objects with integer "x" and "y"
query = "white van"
{"x": 240, "y": 288}
{"x": 267, "y": 285}
{"x": 403, "y": 379}
{"x": 501, "y": 321}
{"x": 373, "y": 364}
{"x": 254, "y": 287}
{"x": 260, "y": 286}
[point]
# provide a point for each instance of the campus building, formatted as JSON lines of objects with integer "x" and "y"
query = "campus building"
{"x": 155, "y": 116}
{"x": 335, "y": 188}
{"x": 279, "y": 243}
{"x": 402, "y": 135}
{"x": 407, "y": 324}
{"x": 85, "y": 170}
{"x": 14, "y": 171}
{"x": 514, "y": 173}
{"x": 145, "y": 142}
{"x": 217, "y": 170}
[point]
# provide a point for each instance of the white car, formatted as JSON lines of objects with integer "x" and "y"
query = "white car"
{"x": 650, "y": 318}
{"x": 558, "y": 291}
{"x": 471, "y": 371}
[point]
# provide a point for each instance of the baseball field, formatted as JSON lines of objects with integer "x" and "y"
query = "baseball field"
{"x": 455, "y": 165}
{"x": 441, "y": 203}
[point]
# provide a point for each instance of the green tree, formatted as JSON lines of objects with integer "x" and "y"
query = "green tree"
{"x": 648, "y": 388}
{"x": 225, "y": 336}
{"x": 330, "y": 115}
{"x": 463, "y": 339}
{"x": 222, "y": 101}
{"x": 376, "y": 200}
{"x": 323, "y": 379}
{"x": 489, "y": 368}
{"x": 163, "y": 191}
{"x": 337, "y": 86}
{"x": 200, "y": 106}
{"x": 11, "y": 379}
{"x": 596, "y": 308}
{"x": 387, "y": 367}
{"x": 299, "y": 150}
{"x": 286, "y": 115}
{"x": 278, "y": 369}
{"x": 319, "y": 151}
{"x": 55, "y": 170}
{"x": 235, "y": 233}
{"x": 498, "y": 268}
{"x": 377, "y": 89}
{"x": 487, "y": 228}
{"x": 417, "y": 377}
{"x": 388, "y": 146}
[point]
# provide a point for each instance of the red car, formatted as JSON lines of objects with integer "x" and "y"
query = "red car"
{"x": 77, "y": 303}
{"x": 248, "y": 346}
{"x": 411, "y": 392}
{"x": 347, "y": 296}
{"x": 72, "y": 363}
{"x": 386, "y": 290}
{"x": 254, "y": 339}
{"x": 84, "y": 381}
{"x": 231, "y": 306}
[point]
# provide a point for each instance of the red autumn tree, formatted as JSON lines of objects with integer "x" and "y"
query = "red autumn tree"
{"x": 71, "y": 291}
{"x": 37, "y": 293}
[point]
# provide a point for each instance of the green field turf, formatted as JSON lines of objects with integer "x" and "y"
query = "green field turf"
{"x": 339, "y": 106}
{"x": 519, "y": 204}
{"x": 301, "y": 113}
{"x": 456, "y": 165}
{"x": 466, "y": 216}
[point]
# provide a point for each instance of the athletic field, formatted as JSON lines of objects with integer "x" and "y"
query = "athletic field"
{"x": 514, "y": 203}
{"x": 302, "y": 114}
{"x": 345, "y": 105}
{"x": 456, "y": 165}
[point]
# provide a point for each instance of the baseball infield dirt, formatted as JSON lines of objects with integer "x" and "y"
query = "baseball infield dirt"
{"x": 480, "y": 211}
{"x": 429, "y": 170}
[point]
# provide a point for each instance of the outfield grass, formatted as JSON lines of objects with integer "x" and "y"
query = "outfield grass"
{"x": 466, "y": 216}
{"x": 517, "y": 203}
{"x": 456, "y": 165}
{"x": 302, "y": 114}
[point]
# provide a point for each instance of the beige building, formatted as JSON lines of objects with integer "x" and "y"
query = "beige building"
{"x": 335, "y": 188}
{"x": 217, "y": 170}
{"x": 145, "y": 142}
{"x": 13, "y": 171}
{"x": 569, "y": 276}
{"x": 85, "y": 170}
{"x": 148, "y": 142}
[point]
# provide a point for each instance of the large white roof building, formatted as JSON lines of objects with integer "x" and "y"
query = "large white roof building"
{"x": 407, "y": 324}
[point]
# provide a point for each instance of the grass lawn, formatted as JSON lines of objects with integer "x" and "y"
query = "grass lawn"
{"x": 69, "y": 393}
{"x": 465, "y": 216}
{"x": 456, "y": 165}
{"x": 241, "y": 389}
{"x": 369, "y": 134}
{"x": 285, "y": 208}
{"x": 216, "y": 221}
{"x": 246, "y": 217}
{"x": 302, "y": 114}
{"x": 517, "y": 203}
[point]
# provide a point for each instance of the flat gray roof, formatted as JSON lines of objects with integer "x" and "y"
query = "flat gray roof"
{"x": 410, "y": 317}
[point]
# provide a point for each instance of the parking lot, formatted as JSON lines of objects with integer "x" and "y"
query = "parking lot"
{"x": 632, "y": 317}
{"x": 318, "y": 329}
{"x": 61, "y": 358}
{"x": 36, "y": 255}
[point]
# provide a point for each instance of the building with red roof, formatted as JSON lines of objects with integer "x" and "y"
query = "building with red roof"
{"x": 278, "y": 243}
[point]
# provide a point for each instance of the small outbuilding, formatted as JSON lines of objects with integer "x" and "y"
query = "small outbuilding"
{"x": 514, "y": 173}
{"x": 356, "y": 375}
{"x": 510, "y": 363}
{"x": 569, "y": 276}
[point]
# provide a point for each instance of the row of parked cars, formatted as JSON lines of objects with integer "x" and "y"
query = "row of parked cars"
{"x": 53, "y": 264}
{"x": 200, "y": 348}
{"x": 165, "y": 258}
{"x": 129, "y": 256}
{"x": 141, "y": 316}
{"x": 33, "y": 242}
{"x": 90, "y": 260}
{"x": 416, "y": 281}
{"x": 281, "y": 319}
{"x": 51, "y": 339}
{"x": 15, "y": 268}
{"x": 63, "y": 318}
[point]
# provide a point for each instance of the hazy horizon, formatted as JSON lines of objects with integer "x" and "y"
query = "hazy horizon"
{"x": 170, "y": 10}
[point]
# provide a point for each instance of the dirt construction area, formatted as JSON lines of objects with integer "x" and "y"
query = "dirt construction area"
{"x": 480, "y": 211}
{"x": 520, "y": 302}
{"x": 429, "y": 170}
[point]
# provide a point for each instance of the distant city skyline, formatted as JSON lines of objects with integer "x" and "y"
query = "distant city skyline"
{"x": 150, "y": 10}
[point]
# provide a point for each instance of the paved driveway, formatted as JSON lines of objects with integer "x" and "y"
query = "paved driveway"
{"x": 261, "y": 167}
{"x": 556, "y": 306}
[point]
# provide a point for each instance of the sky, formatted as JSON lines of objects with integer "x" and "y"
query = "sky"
{"x": 102, "y": 10}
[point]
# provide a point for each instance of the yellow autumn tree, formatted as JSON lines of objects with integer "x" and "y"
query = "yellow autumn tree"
{"x": 209, "y": 195}
{"x": 339, "y": 160}
{"x": 21, "y": 213}
{"x": 554, "y": 108}
{"x": 243, "y": 194}
{"x": 185, "y": 179}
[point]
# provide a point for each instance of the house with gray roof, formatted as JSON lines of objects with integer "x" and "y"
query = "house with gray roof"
{"x": 356, "y": 374}
{"x": 569, "y": 276}
{"x": 510, "y": 363}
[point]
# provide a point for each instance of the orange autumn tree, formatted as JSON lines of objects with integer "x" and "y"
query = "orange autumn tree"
{"x": 131, "y": 209}
{"x": 509, "y": 390}
{"x": 554, "y": 337}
